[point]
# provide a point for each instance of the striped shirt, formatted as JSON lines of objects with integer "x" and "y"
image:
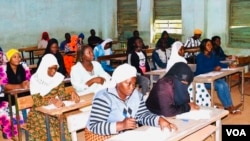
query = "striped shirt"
{"x": 108, "y": 109}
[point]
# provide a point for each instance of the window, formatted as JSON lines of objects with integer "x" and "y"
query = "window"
{"x": 239, "y": 26}
{"x": 126, "y": 18}
{"x": 167, "y": 16}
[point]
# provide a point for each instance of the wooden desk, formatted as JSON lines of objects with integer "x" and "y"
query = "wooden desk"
{"x": 31, "y": 51}
{"x": 224, "y": 73}
{"x": 86, "y": 100}
{"x": 185, "y": 128}
{"x": 15, "y": 94}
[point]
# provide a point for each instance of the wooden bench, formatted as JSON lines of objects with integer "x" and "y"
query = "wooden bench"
{"x": 112, "y": 58}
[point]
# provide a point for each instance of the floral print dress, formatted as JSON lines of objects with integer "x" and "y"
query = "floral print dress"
{"x": 5, "y": 121}
{"x": 36, "y": 120}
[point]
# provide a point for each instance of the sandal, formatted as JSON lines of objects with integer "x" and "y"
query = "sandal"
{"x": 235, "y": 112}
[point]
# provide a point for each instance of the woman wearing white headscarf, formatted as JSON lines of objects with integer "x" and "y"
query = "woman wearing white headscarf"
{"x": 120, "y": 108}
{"x": 47, "y": 87}
{"x": 104, "y": 49}
{"x": 177, "y": 55}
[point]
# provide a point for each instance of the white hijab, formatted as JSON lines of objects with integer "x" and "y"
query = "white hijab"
{"x": 174, "y": 56}
{"x": 107, "y": 51}
{"x": 41, "y": 82}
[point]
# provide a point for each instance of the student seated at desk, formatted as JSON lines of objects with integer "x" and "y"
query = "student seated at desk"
{"x": 120, "y": 107}
{"x": 104, "y": 49}
{"x": 47, "y": 87}
{"x": 177, "y": 55}
{"x": 216, "y": 41}
{"x": 207, "y": 62}
{"x": 44, "y": 40}
{"x": 165, "y": 38}
{"x": 169, "y": 96}
{"x": 139, "y": 60}
{"x": 88, "y": 76}
{"x": 13, "y": 75}
{"x": 52, "y": 48}
{"x": 70, "y": 51}
{"x": 160, "y": 55}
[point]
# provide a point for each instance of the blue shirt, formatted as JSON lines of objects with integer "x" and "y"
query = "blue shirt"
{"x": 99, "y": 51}
{"x": 207, "y": 64}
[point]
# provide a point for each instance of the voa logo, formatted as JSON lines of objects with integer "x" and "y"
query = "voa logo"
{"x": 236, "y": 132}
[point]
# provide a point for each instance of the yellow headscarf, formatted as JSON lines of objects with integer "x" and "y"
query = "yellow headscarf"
{"x": 11, "y": 52}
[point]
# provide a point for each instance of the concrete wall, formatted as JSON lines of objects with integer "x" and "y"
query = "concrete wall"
{"x": 23, "y": 21}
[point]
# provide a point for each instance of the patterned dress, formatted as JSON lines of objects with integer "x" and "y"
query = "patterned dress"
{"x": 36, "y": 120}
{"x": 5, "y": 121}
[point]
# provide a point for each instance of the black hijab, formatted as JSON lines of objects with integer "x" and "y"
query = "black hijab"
{"x": 181, "y": 72}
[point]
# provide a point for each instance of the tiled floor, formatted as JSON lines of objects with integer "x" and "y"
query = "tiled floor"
{"x": 243, "y": 118}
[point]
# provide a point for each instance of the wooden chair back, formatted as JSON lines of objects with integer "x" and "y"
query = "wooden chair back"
{"x": 25, "y": 102}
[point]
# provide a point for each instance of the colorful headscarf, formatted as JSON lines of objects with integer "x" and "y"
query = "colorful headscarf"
{"x": 10, "y": 53}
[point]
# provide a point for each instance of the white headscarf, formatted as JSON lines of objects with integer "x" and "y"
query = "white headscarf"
{"x": 122, "y": 73}
{"x": 40, "y": 81}
{"x": 174, "y": 56}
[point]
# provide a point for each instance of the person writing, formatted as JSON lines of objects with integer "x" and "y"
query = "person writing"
{"x": 47, "y": 87}
{"x": 169, "y": 96}
{"x": 120, "y": 107}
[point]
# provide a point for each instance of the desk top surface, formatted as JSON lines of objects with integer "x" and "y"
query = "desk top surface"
{"x": 185, "y": 128}
{"x": 211, "y": 76}
{"x": 28, "y": 49}
{"x": 86, "y": 100}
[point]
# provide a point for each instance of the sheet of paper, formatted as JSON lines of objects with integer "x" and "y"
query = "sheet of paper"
{"x": 195, "y": 114}
{"x": 52, "y": 106}
{"x": 213, "y": 73}
{"x": 151, "y": 134}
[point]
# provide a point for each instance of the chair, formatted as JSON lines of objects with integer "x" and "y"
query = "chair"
{"x": 74, "y": 117}
{"x": 24, "y": 103}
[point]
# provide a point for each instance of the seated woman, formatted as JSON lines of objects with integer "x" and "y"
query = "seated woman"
{"x": 160, "y": 56}
{"x": 53, "y": 48}
{"x": 169, "y": 96}
{"x": 44, "y": 40}
{"x": 13, "y": 75}
{"x": 166, "y": 38}
{"x": 88, "y": 76}
{"x": 47, "y": 87}
{"x": 70, "y": 53}
{"x": 177, "y": 55}
{"x": 139, "y": 60}
{"x": 120, "y": 108}
{"x": 104, "y": 49}
{"x": 207, "y": 62}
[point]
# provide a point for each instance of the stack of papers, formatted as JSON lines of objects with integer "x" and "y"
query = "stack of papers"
{"x": 195, "y": 114}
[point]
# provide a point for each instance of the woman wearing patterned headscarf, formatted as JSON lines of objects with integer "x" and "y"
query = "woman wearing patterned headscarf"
{"x": 47, "y": 87}
{"x": 169, "y": 96}
{"x": 120, "y": 108}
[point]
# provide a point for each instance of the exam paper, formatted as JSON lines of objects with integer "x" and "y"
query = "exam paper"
{"x": 195, "y": 114}
{"x": 66, "y": 103}
{"x": 213, "y": 73}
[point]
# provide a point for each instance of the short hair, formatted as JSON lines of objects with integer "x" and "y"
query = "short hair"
{"x": 215, "y": 37}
